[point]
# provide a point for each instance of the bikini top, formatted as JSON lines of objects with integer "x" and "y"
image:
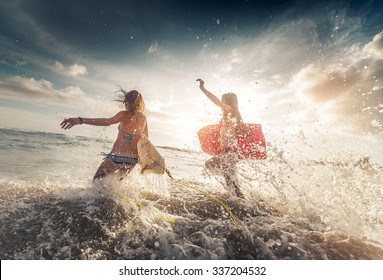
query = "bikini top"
{"x": 128, "y": 136}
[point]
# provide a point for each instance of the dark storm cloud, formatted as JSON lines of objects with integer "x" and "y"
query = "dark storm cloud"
{"x": 36, "y": 34}
{"x": 110, "y": 29}
{"x": 118, "y": 25}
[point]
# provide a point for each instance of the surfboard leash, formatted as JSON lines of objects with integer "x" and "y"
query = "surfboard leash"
{"x": 170, "y": 219}
{"x": 185, "y": 185}
{"x": 204, "y": 193}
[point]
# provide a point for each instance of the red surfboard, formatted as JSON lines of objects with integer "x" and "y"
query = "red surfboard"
{"x": 251, "y": 141}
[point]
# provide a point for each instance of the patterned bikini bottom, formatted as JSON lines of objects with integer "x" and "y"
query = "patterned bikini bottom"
{"x": 123, "y": 162}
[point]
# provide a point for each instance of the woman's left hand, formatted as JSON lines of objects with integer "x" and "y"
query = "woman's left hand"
{"x": 69, "y": 123}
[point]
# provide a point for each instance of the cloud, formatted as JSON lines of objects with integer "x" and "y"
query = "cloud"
{"x": 71, "y": 70}
{"x": 352, "y": 83}
{"x": 153, "y": 47}
{"x": 375, "y": 47}
{"x": 42, "y": 91}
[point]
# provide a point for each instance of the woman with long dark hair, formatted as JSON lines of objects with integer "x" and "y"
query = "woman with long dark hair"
{"x": 132, "y": 125}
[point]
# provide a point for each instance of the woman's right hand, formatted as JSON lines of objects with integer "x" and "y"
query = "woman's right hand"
{"x": 68, "y": 123}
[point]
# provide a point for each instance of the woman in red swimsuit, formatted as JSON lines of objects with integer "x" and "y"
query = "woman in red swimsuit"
{"x": 230, "y": 123}
{"x": 132, "y": 124}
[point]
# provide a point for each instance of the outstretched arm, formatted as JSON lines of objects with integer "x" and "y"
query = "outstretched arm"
{"x": 69, "y": 123}
{"x": 211, "y": 96}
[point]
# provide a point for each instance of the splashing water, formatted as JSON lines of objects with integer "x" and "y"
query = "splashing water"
{"x": 50, "y": 208}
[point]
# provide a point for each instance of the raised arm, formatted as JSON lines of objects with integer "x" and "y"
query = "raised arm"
{"x": 69, "y": 123}
{"x": 211, "y": 96}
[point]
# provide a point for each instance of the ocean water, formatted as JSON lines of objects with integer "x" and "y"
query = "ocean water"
{"x": 302, "y": 209}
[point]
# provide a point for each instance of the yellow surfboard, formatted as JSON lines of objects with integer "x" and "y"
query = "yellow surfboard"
{"x": 150, "y": 159}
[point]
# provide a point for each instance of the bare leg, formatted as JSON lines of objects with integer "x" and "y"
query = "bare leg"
{"x": 230, "y": 182}
{"x": 231, "y": 178}
{"x": 109, "y": 167}
{"x": 226, "y": 168}
{"x": 214, "y": 165}
{"x": 106, "y": 167}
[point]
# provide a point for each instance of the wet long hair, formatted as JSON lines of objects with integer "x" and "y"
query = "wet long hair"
{"x": 132, "y": 100}
{"x": 231, "y": 100}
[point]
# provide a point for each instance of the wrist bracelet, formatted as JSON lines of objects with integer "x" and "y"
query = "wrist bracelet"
{"x": 81, "y": 120}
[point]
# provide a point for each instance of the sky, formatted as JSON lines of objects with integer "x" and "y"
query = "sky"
{"x": 310, "y": 72}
